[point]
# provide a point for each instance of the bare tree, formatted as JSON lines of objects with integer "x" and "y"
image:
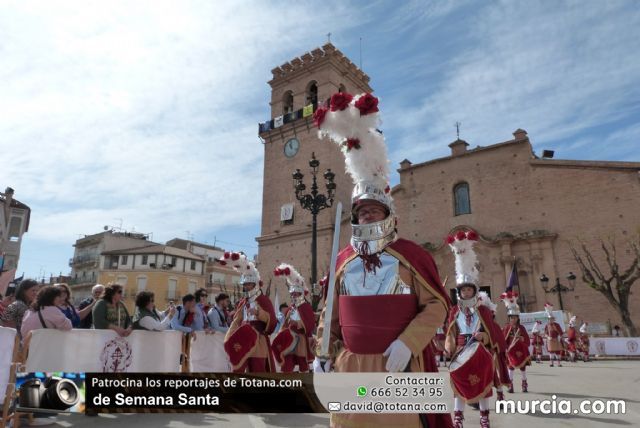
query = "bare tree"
{"x": 613, "y": 283}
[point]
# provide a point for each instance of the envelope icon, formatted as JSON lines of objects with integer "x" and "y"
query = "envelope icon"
{"x": 334, "y": 407}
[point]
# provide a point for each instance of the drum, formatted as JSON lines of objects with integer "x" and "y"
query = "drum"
{"x": 284, "y": 344}
{"x": 472, "y": 372}
{"x": 518, "y": 354}
{"x": 240, "y": 344}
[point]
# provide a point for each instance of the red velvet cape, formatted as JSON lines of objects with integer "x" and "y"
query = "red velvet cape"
{"x": 497, "y": 343}
{"x": 420, "y": 263}
{"x": 308, "y": 318}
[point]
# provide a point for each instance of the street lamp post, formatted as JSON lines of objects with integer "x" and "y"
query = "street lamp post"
{"x": 558, "y": 288}
{"x": 314, "y": 202}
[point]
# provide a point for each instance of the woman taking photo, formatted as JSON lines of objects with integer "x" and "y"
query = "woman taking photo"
{"x": 69, "y": 310}
{"x": 25, "y": 295}
{"x": 146, "y": 316}
{"x": 44, "y": 312}
{"x": 110, "y": 313}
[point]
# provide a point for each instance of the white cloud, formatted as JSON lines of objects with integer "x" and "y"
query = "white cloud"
{"x": 554, "y": 71}
{"x": 145, "y": 111}
{"x": 148, "y": 111}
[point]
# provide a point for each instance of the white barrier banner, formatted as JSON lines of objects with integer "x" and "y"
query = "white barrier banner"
{"x": 528, "y": 319}
{"x": 7, "y": 340}
{"x": 104, "y": 351}
{"x": 208, "y": 354}
{"x": 628, "y": 346}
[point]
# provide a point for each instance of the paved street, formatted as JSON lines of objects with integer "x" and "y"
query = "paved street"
{"x": 600, "y": 380}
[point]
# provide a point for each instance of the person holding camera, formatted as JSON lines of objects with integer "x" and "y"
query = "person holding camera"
{"x": 147, "y": 317}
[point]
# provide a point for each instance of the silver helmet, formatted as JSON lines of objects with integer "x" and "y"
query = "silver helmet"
{"x": 352, "y": 123}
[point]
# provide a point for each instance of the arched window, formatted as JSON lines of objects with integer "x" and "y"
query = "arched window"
{"x": 287, "y": 102}
{"x": 461, "y": 198}
{"x": 312, "y": 94}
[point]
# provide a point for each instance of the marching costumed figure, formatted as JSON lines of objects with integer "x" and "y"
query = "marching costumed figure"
{"x": 472, "y": 337}
{"x": 572, "y": 339}
{"x": 517, "y": 339}
{"x": 247, "y": 340}
{"x": 292, "y": 345}
{"x": 388, "y": 300}
{"x": 583, "y": 342}
{"x": 501, "y": 374}
{"x": 553, "y": 333}
{"x": 537, "y": 341}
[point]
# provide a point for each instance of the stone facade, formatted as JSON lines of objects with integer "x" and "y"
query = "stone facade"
{"x": 167, "y": 271}
{"x": 524, "y": 207}
{"x": 14, "y": 222}
{"x": 291, "y": 243}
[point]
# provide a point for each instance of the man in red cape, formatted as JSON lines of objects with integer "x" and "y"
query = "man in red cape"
{"x": 292, "y": 346}
{"x": 537, "y": 341}
{"x": 553, "y": 334}
{"x": 572, "y": 339}
{"x": 247, "y": 340}
{"x": 517, "y": 340}
{"x": 474, "y": 340}
{"x": 388, "y": 300}
{"x": 583, "y": 342}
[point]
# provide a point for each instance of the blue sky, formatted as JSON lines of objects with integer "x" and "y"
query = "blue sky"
{"x": 147, "y": 112}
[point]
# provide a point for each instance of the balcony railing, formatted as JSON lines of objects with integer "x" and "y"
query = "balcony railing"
{"x": 83, "y": 260}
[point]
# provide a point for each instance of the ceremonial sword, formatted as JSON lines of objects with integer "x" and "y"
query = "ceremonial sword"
{"x": 328, "y": 306}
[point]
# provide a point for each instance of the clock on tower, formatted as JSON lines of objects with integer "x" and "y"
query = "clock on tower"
{"x": 291, "y": 147}
{"x": 298, "y": 87}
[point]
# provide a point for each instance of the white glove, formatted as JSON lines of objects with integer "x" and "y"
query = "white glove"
{"x": 399, "y": 355}
{"x": 317, "y": 366}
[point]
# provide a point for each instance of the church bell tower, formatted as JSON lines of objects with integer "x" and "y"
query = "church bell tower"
{"x": 290, "y": 138}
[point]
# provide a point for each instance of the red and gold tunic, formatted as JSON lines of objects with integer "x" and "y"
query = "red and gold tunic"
{"x": 247, "y": 340}
{"x": 553, "y": 333}
{"x": 363, "y": 326}
{"x": 537, "y": 342}
{"x": 517, "y": 346}
{"x": 302, "y": 322}
{"x": 491, "y": 338}
{"x": 571, "y": 339}
{"x": 583, "y": 343}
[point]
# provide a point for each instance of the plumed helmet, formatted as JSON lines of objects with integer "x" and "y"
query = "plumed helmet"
{"x": 510, "y": 300}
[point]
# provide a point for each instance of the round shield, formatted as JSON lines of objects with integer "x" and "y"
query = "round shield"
{"x": 283, "y": 344}
{"x": 240, "y": 344}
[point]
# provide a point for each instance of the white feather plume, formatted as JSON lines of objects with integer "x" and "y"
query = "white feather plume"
{"x": 368, "y": 163}
{"x": 241, "y": 264}
{"x": 293, "y": 278}
{"x": 485, "y": 300}
{"x": 536, "y": 328}
{"x": 466, "y": 259}
{"x": 548, "y": 307}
